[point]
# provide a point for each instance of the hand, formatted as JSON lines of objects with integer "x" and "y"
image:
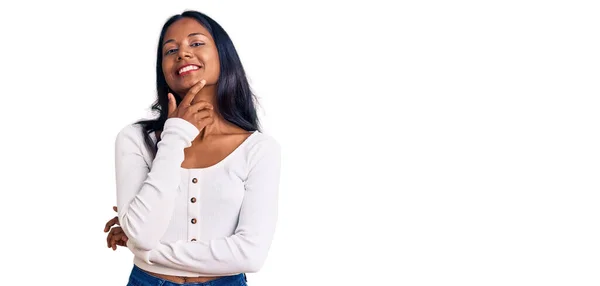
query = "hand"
{"x": 116, "y": 236}
{"x": 200, "y": 114}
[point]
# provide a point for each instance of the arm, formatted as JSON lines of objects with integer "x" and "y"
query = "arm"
{"x": 245, "y": 250}
{"x": 145, "y": 196}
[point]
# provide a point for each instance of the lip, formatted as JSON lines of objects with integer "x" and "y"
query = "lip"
{"x": 187, "y": 72}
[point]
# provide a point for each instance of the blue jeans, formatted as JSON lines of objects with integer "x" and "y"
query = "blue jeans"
{"x": 140, "y": 278}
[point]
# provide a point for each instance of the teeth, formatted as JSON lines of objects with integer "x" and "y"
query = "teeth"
{"x": 188, "y": 68}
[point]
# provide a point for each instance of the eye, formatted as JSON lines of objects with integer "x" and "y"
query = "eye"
{"x": 170, "y": 51}
{"x": 197, "y": 44}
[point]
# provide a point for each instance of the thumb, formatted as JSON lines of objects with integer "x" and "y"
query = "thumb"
{"x": 172, "y": 103}
{"x": 114, "y": 208}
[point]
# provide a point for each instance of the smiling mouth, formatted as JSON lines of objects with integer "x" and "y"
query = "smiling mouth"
{"x": 187, "y": 69}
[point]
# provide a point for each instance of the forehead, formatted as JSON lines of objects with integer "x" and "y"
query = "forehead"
{"x": 183, "y": 27}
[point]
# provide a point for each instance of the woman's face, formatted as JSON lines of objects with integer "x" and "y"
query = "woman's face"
{"x": 189, "y": 55}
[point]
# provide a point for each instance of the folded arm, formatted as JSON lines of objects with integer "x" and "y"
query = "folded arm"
{"x": 146, "y": 195}
{"x": 246, "y": 250}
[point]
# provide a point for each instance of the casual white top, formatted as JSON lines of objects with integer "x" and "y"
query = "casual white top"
{"x": 218, "y": 220}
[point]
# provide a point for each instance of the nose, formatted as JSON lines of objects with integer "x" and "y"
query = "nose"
{"x": 183, "y": 53}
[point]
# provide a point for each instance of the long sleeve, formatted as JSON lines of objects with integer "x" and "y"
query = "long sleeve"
{"x": 245, "y": 250}
{"x": 145, "y": 196}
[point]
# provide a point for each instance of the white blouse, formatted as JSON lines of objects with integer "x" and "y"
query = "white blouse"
{"x": 218, "y": 220}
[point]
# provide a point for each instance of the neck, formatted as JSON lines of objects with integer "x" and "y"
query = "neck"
{"x": 208, "y": 94}
{"x": 220, "y": 125}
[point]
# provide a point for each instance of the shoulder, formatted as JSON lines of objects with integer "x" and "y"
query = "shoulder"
{"x": 131, "y": 131}
{"x": 259, "y": 141}
{"x": 260, "y": 147}
{"x": 130, "y": 138}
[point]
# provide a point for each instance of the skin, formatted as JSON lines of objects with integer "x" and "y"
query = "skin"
{"x": 188, "y": 42}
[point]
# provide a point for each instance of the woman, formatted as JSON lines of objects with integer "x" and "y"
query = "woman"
{"x": 197, "y": 187}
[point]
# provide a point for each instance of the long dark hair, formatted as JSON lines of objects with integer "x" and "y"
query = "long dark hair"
{"x": 235, "y": 100}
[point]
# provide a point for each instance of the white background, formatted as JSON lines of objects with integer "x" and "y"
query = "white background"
{"x": 425, "y": 142}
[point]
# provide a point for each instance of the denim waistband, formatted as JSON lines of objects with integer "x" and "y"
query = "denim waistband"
{"x": 139, "y": 277}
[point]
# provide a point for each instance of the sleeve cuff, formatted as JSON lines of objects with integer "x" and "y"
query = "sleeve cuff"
{"x": 181, "y": 127}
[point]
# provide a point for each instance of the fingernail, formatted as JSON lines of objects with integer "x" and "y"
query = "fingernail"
{"x": 203, "y": 81}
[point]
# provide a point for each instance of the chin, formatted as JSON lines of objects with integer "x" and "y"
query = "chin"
{"x": 186, "y": 83}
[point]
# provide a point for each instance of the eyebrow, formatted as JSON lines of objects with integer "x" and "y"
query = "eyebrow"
{"x": 192, "y": 34}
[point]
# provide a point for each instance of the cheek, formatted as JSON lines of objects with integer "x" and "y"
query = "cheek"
{"x": 213, "y": 72}
{"x": 215, "y": 68}
{"x": 166, "y": 72}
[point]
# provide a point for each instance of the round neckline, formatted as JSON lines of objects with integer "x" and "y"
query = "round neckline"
{"x": 236, "y": 150}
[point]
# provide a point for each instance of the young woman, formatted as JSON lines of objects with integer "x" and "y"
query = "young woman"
{"x": 197, "y": 187}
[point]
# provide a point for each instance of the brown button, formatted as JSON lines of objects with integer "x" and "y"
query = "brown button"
{"x": 194, "y": 180}
{"x": 193, "y": 200}
{"x": 193, "y": 239}
{"x": 194, "y": 221}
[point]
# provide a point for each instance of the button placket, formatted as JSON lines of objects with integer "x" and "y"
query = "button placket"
{"x": 193, "y": 205}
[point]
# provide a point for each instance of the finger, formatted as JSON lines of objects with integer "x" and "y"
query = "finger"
{"x": 206, "y": 121}
{"x": 202, "y": 114}
{"x": 202, "y": 105}
{"x": 114, "y": 240}
{"x": 109, "y": 238}
{"x": 110, "y": 223}
{"x": 115, "y": 208}
{"x": 118, "y": 239}
{"x": 114, "y": 232}
{"x": 187, "y": 100}
{"x": 121, "y": 242}
{"x": 172, "y": 104}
